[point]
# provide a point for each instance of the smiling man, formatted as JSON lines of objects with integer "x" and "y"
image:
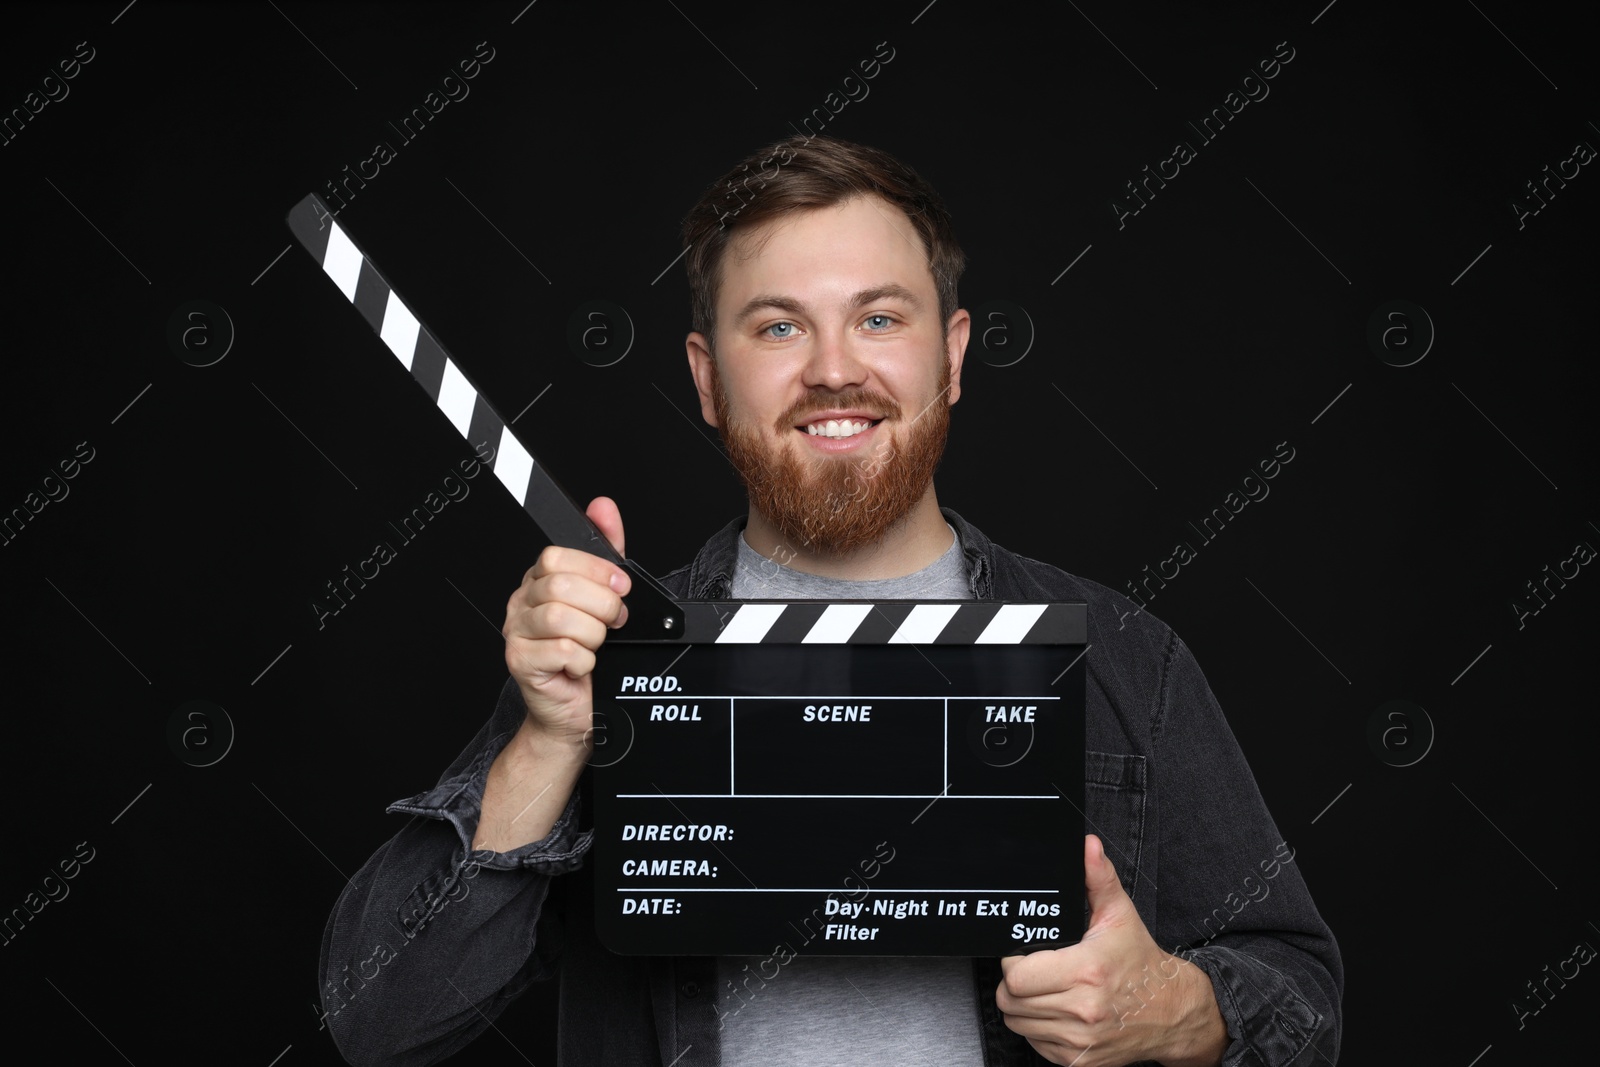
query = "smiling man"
{"x": 827, "y": 350}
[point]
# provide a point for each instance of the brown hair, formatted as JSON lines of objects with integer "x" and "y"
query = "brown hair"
{"x": 802, "y": 173}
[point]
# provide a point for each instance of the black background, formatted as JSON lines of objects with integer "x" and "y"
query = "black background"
{"x": 1176, "y": 352}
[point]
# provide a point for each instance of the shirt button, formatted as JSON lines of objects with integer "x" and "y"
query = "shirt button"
{"x": 689, "y": 989}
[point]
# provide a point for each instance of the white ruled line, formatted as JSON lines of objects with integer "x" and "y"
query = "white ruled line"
{"x": 824, "y": 889}
{"x": 840, "y": 796}
{"x": 679, "y": 697}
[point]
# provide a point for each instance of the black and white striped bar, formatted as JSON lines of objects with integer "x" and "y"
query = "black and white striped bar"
{"x": 898, "y": 622}
{"x": 441, "y": 377}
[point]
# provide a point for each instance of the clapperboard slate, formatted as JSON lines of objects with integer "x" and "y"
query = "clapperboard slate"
{"x": 846, "y": 778}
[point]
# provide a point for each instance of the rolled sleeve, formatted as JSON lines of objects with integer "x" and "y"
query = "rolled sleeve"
{"x": 1269, "y": 1023}
{"x": 458, "y": 800}
{"x": 431, "y": 940}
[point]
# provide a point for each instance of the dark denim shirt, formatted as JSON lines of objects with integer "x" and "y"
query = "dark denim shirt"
{"x": 430, "y": 942}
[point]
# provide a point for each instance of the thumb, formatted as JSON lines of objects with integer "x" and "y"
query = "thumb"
{"x": 1100, "y": 880}
{"x": 604, "y": 513}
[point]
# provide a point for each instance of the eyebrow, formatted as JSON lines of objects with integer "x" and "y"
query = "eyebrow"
{"x": 888, "y": 291}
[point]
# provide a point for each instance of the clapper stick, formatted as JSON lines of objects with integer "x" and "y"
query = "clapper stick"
{"x": 652, "y": 611}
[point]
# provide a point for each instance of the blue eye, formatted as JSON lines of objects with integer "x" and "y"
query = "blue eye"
{"x": 887, "y": 321}
{"x": 780, "y": 325}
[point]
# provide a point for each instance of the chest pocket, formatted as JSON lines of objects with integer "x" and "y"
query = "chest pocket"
{"x": 1114, "y": 791}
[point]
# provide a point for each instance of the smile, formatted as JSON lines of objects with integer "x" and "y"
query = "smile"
{"x": 839, "y": 427}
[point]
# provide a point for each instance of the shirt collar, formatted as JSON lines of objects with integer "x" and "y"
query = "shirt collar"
{"x": 711, "y": 572}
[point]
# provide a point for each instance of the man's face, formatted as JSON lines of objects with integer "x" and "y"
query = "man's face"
{"x": 831, "y": 314}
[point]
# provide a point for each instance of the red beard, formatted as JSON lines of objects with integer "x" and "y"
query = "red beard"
{"x": 831, "y": 505}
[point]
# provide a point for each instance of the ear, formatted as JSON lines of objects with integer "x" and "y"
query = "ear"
{"x": 956, "y": 348}
{"x": 702, "y": 367}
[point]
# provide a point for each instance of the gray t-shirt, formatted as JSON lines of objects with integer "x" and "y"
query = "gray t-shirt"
{"x": 836, "y": 1010}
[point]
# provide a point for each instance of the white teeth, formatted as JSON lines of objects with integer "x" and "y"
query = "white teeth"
{"x": 835, "y": 428}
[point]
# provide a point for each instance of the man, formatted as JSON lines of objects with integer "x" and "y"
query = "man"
{"x": 827, "y": 350}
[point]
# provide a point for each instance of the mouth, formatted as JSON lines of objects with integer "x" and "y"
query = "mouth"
{"x": 839, "y": 427}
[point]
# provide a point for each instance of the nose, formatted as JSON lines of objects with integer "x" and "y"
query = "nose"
{"x": 833, "y": 362}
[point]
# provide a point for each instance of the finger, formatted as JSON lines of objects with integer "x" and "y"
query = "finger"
{"x": 1025, "y": 1027}
{"x": 557, "y": 560}
{"x": 1042, "y": 1007}
{"x": 1038, "y": 973}
{"x": 580, "y": 593}
{"x": 605, "y": 514}
{"x": 1036, "y": 1029}
{"x": 1100, "y": 879}
{"x": 555, "y": 621}
{"x": 563, "y": 587}
{"x": 555, "y": 656}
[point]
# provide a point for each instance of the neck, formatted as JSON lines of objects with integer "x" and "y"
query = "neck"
{"x": 921, "y": 537}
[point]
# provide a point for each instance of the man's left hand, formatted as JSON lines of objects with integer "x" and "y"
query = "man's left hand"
{"x": 1115, "y": 997}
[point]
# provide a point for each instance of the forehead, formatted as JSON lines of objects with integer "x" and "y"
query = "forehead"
{"x": 825, "y": 253}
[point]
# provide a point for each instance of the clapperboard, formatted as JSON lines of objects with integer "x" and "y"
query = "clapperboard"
{"x": 853, "y": 778}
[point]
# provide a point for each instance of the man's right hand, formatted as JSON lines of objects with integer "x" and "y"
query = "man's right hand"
{"x": 555, "y": 623}
{"x": 557, "y": 620}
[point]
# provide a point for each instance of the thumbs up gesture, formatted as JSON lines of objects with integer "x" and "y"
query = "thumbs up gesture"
{"x": 1115, "y": 997}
